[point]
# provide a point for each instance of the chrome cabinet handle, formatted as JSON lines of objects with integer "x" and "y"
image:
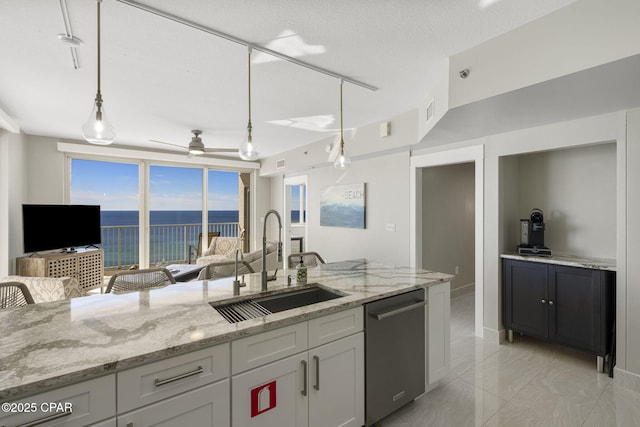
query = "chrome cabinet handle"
{"x": 396, "y": 311}
{"x": 46, "y": 419}
{"x": 550, "y": 302}
{"x": 317, "y": 384}
{"x": 543, "y": 301}
{"x": 196, "y": 371}
{"x": 304, "y": 377}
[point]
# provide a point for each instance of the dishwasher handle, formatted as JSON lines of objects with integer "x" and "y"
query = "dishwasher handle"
{"x": 399, "y": 310}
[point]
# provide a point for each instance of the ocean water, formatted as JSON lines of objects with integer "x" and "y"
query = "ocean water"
{"x": 165, "y": 217}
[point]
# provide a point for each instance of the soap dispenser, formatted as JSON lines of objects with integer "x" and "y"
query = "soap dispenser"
{"x": 301, "y": 273}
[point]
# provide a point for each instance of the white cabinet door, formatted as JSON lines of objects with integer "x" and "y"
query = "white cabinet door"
{"x": 107, "y": 423}
{"x": 438, "y": 332}
{"x": 336, "y": 383}
{"x": 274, "y": 395}
{"x": 207, "y": 406}
{"x": 79, "y": 405}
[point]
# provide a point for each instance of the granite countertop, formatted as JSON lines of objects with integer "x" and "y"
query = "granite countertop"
{"x": 569, "y": 260}
{"x": 48, "y": 345}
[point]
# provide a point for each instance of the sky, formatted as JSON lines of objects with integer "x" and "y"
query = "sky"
{"x": 114, "y": 186}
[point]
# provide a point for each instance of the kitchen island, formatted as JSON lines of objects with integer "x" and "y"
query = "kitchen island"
{"x": 51, "y": 345}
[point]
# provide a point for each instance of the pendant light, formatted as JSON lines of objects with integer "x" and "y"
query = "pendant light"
{"x": 97, "y": 129}
{"x": 247, "y": 151}
{"x": 342, "y": 162}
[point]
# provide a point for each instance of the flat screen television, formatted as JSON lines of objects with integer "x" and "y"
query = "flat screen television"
{"x": 48, "y": 227}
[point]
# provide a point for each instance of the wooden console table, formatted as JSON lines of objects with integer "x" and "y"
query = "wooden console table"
{"x": 85, "y": 265}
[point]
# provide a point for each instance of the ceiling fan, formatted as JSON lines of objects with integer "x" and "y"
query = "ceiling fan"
{"x": 196, "y": 146}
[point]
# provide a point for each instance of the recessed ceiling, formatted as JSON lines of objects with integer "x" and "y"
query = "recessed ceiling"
{"x": 161, "y": 79}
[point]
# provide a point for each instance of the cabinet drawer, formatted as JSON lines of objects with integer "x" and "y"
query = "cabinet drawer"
{"x": 88, "y": 401}
{"x": 257, "y": 350}
{"x": 160, "y": 380}
{"x": 111, "y": 422}
{"x": 208, "y": 406}
{"x": 335, "y": 326}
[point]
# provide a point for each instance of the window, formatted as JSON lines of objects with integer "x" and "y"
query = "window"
{"x": 175, "y": 203}
{"x": 113, "y": 186}
{"x": 298, "y": 204}
{"x": 223, "y": 202}
{"x": 175, "y": 213}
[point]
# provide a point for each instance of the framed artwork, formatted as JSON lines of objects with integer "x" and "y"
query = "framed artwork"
{"x": 343, "y": 206}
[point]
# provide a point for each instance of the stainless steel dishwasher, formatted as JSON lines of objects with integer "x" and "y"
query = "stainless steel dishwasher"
{"x": 395, "y": 353}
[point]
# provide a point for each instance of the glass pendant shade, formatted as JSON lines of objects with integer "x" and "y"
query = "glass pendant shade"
{"x": 342, "y": 162}
{"x": 97, "y": 129}
{"x": 247, "y": 151}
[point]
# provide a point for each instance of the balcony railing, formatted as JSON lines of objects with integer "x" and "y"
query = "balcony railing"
{"x": 168, "y": 243}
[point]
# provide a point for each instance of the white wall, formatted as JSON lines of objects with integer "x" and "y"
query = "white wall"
{"x": 382, "y": 163}
{"x": 387, "y": 199}
{"x": 12, "y": 195}
{"x": 576, "y": 190}
{"x": 4, "y": 203}
{"x": 45, "y": 170}
{"x": 582, "y": 35}
{"x": 630, "y": 324}
{"x": 448, "y": 222}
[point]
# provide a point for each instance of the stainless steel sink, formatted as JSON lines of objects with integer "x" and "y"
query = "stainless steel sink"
{"x": 295, "y": 299}
{"x": 252, "y": 308}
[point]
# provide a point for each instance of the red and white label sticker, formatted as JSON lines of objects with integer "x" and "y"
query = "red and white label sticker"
{"x": 263, "y": 398}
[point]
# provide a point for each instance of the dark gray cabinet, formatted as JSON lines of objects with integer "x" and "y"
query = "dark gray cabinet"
{"x": 568, "y": 305}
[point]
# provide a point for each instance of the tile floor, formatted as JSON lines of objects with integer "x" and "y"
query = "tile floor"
{"x": 527, "y": 383}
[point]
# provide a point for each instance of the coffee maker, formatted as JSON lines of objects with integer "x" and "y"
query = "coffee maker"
{"x": 532, "y": 235}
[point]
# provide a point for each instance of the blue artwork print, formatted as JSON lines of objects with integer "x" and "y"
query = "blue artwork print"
{"x": 343, "y": 206}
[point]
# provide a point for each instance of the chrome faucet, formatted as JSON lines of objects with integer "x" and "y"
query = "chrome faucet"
{"x": 264, "y": 277}
{"x": 236, "y": 283}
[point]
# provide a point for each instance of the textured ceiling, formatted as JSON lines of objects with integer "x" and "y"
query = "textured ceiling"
{"x": 160, "y": 79}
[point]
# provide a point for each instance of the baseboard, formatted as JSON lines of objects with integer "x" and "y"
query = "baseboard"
{"x": 626, "y": 379}
{"x": 463, "y": 290}
{"x": 494, "y": 337}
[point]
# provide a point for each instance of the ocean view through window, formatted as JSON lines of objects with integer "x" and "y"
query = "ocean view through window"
{"x": 175, "y": 214}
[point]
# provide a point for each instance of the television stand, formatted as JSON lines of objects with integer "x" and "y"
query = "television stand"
{"x": 85, "y": 265}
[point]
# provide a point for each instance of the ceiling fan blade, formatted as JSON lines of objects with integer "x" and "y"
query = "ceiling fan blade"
{"x": 168, "y": 143}
{"x": 220, "y": 150}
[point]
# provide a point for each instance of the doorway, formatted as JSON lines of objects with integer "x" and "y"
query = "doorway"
{"x": 295, "y": 216}
{"x": 419, "y": 246}
{"x": 448, "y": 223}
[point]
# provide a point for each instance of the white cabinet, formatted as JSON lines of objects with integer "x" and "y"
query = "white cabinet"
{"x": 272, "y": 395}
{"x": 258, "y": 350}
{"x": 323, "y": 386}
{"x": 438, "y": 332}
{"x": 190, "y": 389}
{"x": 336, "y": 383}
{"x": 167, "y": 378}
{"x": 207, "y": 406}
{"x": 111, "y": 422}
{"x": 75, "y": 405}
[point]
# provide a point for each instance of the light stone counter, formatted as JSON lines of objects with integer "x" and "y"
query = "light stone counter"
{"x": 571, "y": 261}
{"x": 49, "y": 345}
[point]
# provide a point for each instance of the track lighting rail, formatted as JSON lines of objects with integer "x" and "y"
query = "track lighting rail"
{"x": 231, "y": 38}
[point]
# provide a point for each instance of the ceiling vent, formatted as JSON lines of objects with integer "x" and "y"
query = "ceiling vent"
{"x": 429, "y": 111}
{"x": 280, "y": 164}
